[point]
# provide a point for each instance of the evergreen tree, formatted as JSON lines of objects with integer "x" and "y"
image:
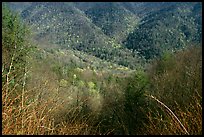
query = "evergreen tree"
{"x": 15, "y": 47}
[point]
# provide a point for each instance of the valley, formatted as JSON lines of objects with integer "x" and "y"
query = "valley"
{"x": 99, "y": 68}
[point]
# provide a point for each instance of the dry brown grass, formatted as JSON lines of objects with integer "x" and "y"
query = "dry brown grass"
{"x": 34, "y": 118}
{"x": 191, "y": 119}
{"x": 171, "y": 113}
{"x": 26, "y": 119}
{"x": 24, "y": 114}
{"x": 180, "y": 88}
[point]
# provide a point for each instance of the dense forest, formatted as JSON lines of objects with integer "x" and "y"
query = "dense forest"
{"x": 102, "y": 68}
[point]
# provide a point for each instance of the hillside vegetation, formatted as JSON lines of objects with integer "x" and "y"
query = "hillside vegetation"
{"x": 106, "y": 86}
{"x": 170, "y": 29}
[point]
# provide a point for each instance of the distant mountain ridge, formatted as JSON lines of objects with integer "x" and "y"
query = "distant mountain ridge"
{"x": 171, "y": 28}
{"x": 125, "y": 33}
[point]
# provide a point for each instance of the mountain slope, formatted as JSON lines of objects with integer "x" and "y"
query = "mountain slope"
{"x": 125, "y": 33}
{"x": 67, "y": 26}
{"x": 115, "y": 20}
{"x": 19, "y": 7}
{"x": 168, "y": 29}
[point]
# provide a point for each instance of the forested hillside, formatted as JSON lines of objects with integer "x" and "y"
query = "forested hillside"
{"x": 95, "y": 68}
{"x": 172, "y": 28}
{"x": 51, "y": 24}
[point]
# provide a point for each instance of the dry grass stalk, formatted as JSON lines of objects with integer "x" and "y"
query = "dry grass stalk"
{"x": 169, "y": 110}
